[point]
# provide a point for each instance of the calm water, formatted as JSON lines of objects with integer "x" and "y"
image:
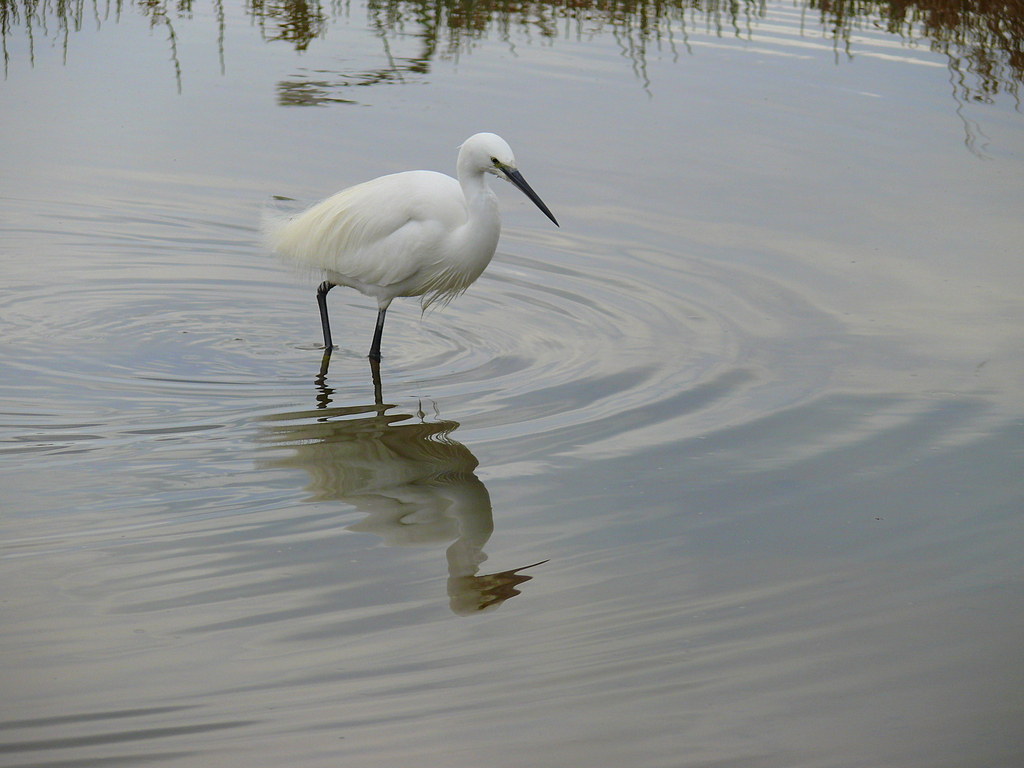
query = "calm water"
{"x": 726, "y": 471}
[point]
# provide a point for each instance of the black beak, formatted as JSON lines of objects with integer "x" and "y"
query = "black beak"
{"x": 517, "y": 178}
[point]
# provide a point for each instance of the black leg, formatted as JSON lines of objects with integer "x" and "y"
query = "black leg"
{"x": 378, "y": 332}
{"x": 378, "y": 398}
{"x": 321, "y": 299}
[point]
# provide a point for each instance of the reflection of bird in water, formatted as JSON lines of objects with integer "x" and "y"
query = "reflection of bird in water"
{"x": 414, "y": 482}
{"x": 417, "y": 233}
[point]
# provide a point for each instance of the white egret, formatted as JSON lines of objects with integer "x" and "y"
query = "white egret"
{"x": 416, "y": 233}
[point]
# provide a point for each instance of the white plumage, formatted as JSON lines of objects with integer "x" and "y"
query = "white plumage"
{"x": 417, "y": 233}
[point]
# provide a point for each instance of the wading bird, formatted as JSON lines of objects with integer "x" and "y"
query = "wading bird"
{"x": 416, "y": 233}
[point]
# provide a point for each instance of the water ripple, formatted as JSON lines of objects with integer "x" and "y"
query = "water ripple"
{"x": 565, "y": 343}
{"x": 552, "y": 349}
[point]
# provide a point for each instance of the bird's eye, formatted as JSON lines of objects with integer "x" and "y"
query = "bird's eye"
{"x": 495, "y": 161}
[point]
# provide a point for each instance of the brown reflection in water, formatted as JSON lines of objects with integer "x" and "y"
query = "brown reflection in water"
{"x": 294, "y": 21}
{"x": 983, "y": 41}
{"x": 415, "y": 484}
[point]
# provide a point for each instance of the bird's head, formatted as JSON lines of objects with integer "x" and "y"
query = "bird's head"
{"x": 490, "y": 153}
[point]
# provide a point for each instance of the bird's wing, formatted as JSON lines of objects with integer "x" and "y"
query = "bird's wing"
{"x": 378, "y": 233}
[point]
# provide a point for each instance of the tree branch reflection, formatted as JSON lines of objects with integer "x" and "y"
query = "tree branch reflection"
{"x": 983, "y": 40}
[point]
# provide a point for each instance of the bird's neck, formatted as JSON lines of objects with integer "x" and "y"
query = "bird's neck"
{"x": 481, "y": 202}
{"x": 478, "y": 237}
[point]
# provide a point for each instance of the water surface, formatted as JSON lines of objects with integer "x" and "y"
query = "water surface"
{"x": 724, "y": 471}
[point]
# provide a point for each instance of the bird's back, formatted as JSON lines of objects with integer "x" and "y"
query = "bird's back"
{"x": 378, "y": 233}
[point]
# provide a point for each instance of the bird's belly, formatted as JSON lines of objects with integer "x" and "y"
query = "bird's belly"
{"x": 443, "y": 268}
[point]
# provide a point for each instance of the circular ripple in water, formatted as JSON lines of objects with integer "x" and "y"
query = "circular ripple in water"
{"x": 564, "y": 345}
{"x": 596, "y": 351}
